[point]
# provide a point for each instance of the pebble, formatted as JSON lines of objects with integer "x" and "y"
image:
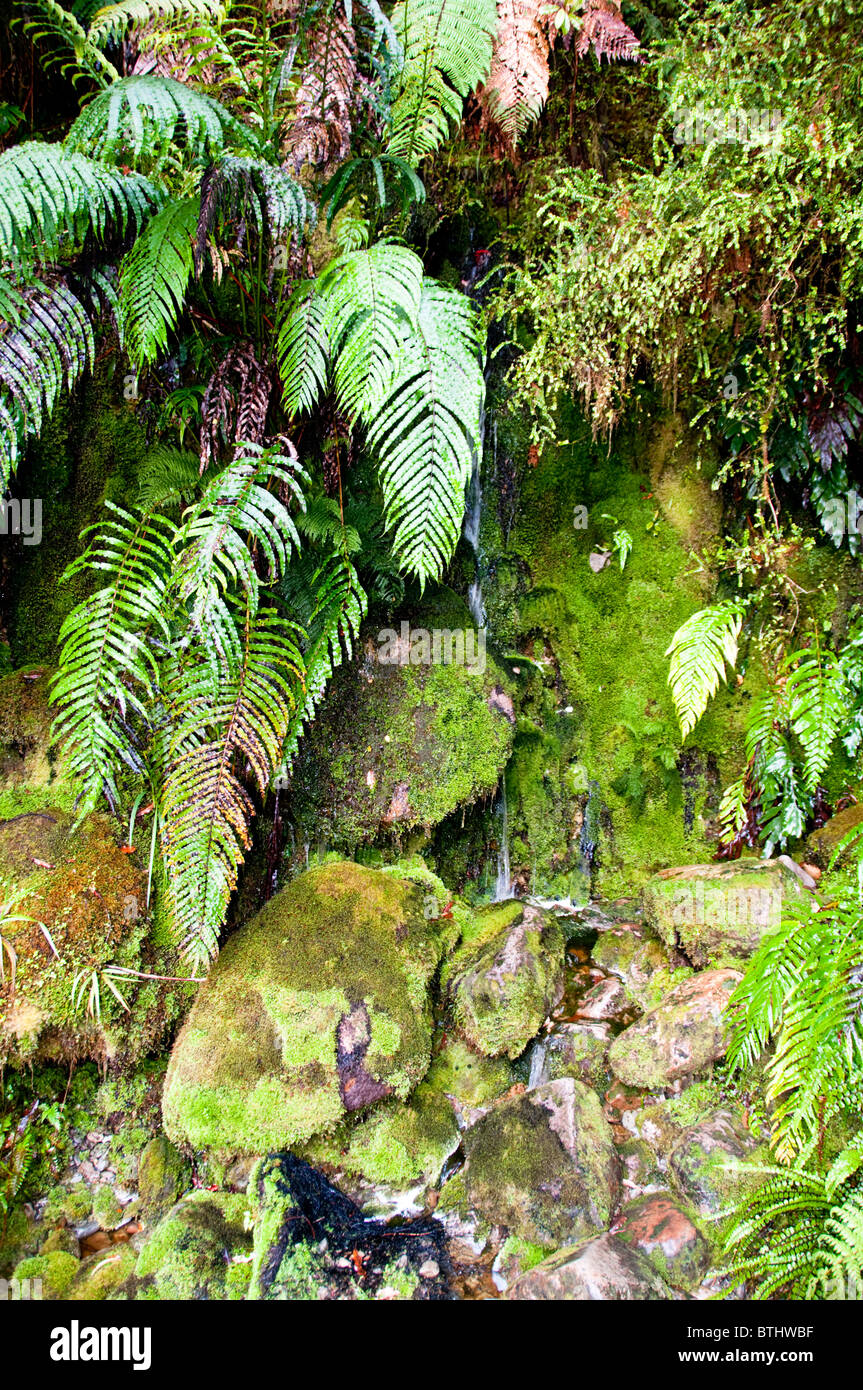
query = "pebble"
{"x": 429, "y": 1269}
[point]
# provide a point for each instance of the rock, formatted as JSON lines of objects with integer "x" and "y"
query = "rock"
{"x": 199, "y": 1250}
{"x": 398, "y": 1145}
{"x": 663, "y": 1230}
{"x": 700, "y": 1159}
{"x": 571, "y": 1050}
{"x": 315, "y": 1009}
{"x": 163, "y": 1176}
{"x": 641, "y": 963}
{"x": 605, "y": 1269}
{"x": 541, "y": 1164}
{"x": 717, "y": 914}
{"x": 470, "y": 1081}
{"x": 640, "y": 1171}
{"x": 31, "y": 779}
{"x": 106, "y": 1209}
{"x": 434, "y": 733}
{"x": 683, "y": 1034}
{"x": 56, "y": 1271}
{"x": 103, "y": 1275}
{"x": 603, "y": 1000}
{"x": 506, "y": 977}
{"x": 823, "y": 842}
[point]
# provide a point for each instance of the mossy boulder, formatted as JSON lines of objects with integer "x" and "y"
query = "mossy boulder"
{"x": 315, "y": 1009}
{"x": 681, "y": 1036}
{"x": 106, "y": 1209}
{"x": 542, "y": 1164}
{"x": 163, "y": 1176}
{"x": 640, "y": 961}
{"x": 663, "y": 1229}
{"x": 600, "y": 1270}
{"x": 404, "y": 737}
{"x": 86, "y": 901}
{"x": 571, "y": 1050}
{"x": 470, "y": 1081}
{"x": 399, "y": 1144}
{"x": 103, "y": 1275}
{"x": 55, "y": 1270}
{"x": 715, "y": 1162}
{"x": 199, "y": 1250}
{"x": 823, "y": 842}
{"x": 718, "y": 914}
{"x": 506, "y": 977}
{"x": 660, "y": 1124}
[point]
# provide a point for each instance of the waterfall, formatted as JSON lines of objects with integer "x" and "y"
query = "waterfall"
{"x": 503, "y": 886}
{"x": 537, "y": 1063}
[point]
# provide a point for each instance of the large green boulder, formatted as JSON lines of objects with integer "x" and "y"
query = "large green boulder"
{"x": 506, "y": 977}
{"x": 718, "y": 914}
{"x": 681, "y": 1036}
{"x": 200, "y": 1250}
{"x": 316, "y": 1009}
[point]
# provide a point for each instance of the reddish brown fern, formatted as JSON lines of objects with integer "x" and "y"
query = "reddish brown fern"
{"x": 326, "y": 97}
{"x": 604, "y": 30}
{"x": 517, "y": 85}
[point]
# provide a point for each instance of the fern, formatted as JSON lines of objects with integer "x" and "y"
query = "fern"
{"x": 146, "y": 116}
{"x": 111, "y": 23}
{"x": 425, "y": 431}
{"x": 699, "y": 651}
{"x": 166, "y": 478}
{"x": 154, "y": 278}
{"x": 517, "y": 85}
{"x": 58, "y": 24}
{"x": 447, "y": 46}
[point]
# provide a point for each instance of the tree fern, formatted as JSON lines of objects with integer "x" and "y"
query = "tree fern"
{"x": 699, "y": 651}
{"x": 111, "y": 23}
{"x": 447, "y": 47}
{"x": 154, "y": 278}
{"x": 142, "y": 117}
{"x": 56, "y": 24}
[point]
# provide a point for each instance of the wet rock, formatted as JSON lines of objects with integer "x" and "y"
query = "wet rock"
{"x": 163, "y": 1176}
{"x": 199, "y": 1250}
{"x": 715, "y": 1162}
{"x": 717, "y": 914}
{"x": 506, "y": 977}
{"x": 470, "y": 1081}
{"x": 603, "y": 1000}
{"x": 664, "y": 1231}
{"x": 317, "y": 1008}
{"x": 823, "y": 842}
{"x": 398, "y": 1145}
{"x": 641, "y": 963}
{"x": 104, "y": 1274}
{"x": 639, "y": 1169}
{"x": 573, "y": 1049}
{"x": 683, "y": 1034}
{"x": 541, "y": 1164}
{"x": 597, "y": 1270}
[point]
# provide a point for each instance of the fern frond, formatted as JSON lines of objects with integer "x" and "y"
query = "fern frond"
{"x": 699, "y": 651}
{"x": 604, "y": 30}
{"x": 425, "y": 430}
{"x": 327, "y": 93}
{"x": 107, "y": 670}
{"x": 154, "y": 278}
{"x": 817, "y": 706}
{"x": 447, "y": 47}
{"x": 111, "y": 23}
{"x": 517, "y": 86}
{"x": 239, "y": 190}
{"x": 145, "y": 116}
{"x": 58, "y": 24}
{"x": 167, "y": 477}
{"x": 205, "y": 808}
{"x": 303, "y": 349}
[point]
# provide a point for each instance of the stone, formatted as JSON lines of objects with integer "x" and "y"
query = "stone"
{"x": 681, "y": 1036}
{"x": 506, "y": 977}
{"x": 602, "y": 1000}
{"x": 199, "y": 1250}
{"x": 640, "y": 962}
{"x": 541, "y": 1164}
{"x": 661, "y": 1227}
{"x": 571, "y": 1050}
{"x": 316, "y": 1009}
{"x": 604, "y": 1269}
{"x": 823, "y": 842}
{"x": 718, "y": 914}
{"x": 163, "y": 1176}
{"x": 714, "y": 1163}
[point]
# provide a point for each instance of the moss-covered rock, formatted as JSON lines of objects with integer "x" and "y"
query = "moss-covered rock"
{"x": 163, "y": 1176}
{"x": 470, "y": 1081}
{"x": 402, "y": 741}
{"x": 571, "y": 1050}
{"x": 541, "y": 1164}
{"x": 664, "y": 1230}
{"x": 717, "y": 914}
{"x": 715, "y": 1162}
{"x": 823, "y": 842}
{"x": 103, "y": 1275}
{"x": 198, "y": 1251}
{"x": 86, "y": 906}
{"x": 315, "y": 1009}
{"x": 603, "y": 1269}
{"x": 32, "y": 778}
{"x": 56, "y": 1271}
{"x": 399, "y": 1144}
{"x": 640, "y": 962}
{"x": 106, "y": 1209}
{"x": 681, "y": 1036}
{"x": 506, "y": 977}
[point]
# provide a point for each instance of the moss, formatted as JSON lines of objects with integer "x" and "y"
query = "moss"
{"x": 73, "y": 1205}
{"x": 257, "y": 1066}
{"x": 398, "y": 1282}
{"x": 516, "y": 1256}
{"x": 102, "y": 1276}
{"x": 56, "y": 1271}
{"x": 19, "y": 1236}
{"x": 106, "y": 1209}
{"x": 185, "y": 1257}
{"x": 400, "y": 1144}
{"x": 401, "y": 746}
{"x": 468, "y": 1078}
{"x": 163, "y": 1175}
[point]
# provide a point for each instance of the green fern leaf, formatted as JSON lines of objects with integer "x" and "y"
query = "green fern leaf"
{"x": 154, "y": 278}
{"x": 699, "y": 651}
{"x": 145, "y": 116}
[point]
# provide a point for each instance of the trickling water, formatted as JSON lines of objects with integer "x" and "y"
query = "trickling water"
{"x": 537, "y": 1063}
{"x": 503, "y": 884}
{"x": 590, "y": 829}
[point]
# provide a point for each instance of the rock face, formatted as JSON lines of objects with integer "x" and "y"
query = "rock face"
{"x": 640, "y": 962}
{"x": 542, "y": 1164}
{"x": 717, "y": 914}
{"x": 661, "y": 1229}
{"x": 594, "y": 1271}
{"x": 823, "y": 843}
{"x": 506, "y": 977}
{"x": 680, "y": 1036}
{"x": 315, "y": 1009}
